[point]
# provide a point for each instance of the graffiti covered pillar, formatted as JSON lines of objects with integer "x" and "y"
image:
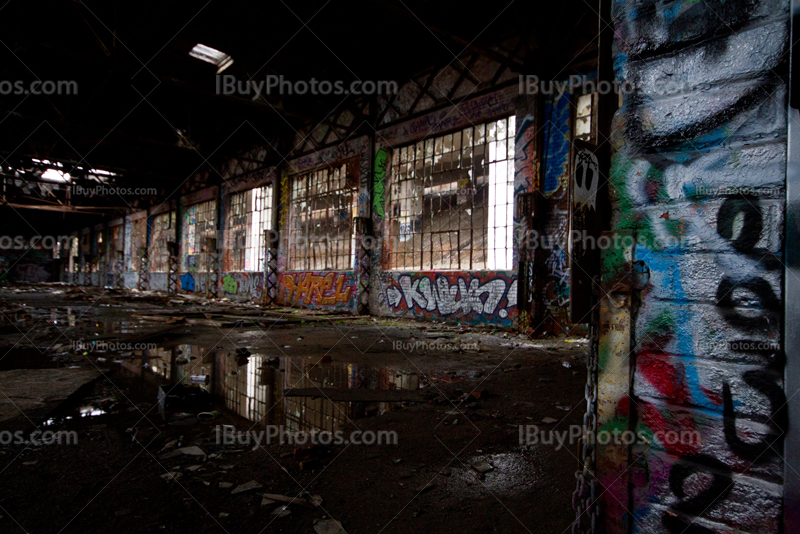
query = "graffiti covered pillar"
{"x": 699, "y": 177}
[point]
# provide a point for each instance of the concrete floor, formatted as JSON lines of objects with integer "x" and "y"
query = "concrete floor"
{"x": 454, "y": 397}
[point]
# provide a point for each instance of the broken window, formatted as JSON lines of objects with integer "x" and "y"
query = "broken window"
{"x": 248, "y": 218}
{"x": 162, "y": 231}
{"x": 586, "y": 118}
{"x": 97, "y": 252}
{"x": 116, "y": 246}
{"x": 137, "y": 244}
{"x": 321, "y": 234}
{"x": 199, "y": 233}
{"x": 451, "y": 200}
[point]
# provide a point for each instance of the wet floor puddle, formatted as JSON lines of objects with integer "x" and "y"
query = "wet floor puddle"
{"x": 251, "y": 385}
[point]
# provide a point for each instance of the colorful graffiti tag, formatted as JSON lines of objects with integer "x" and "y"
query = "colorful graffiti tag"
{"x": 229, "y": 284}
{"x": 378, "y": 187}
{"x": 708, "y": 356}
{"x": 316, "y": 289}
{"x": 450, "y": 294}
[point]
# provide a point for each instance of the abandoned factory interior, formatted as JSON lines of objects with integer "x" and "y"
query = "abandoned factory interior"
{"x": 399, "y": 266}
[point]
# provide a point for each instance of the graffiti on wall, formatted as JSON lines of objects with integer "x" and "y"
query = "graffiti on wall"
{"x": 316, "y": 289}
{"x": 708, "y": 354}
{"x": 243, "y": 285}
{"x": 187, "y": 282}
{"x": 284, "y": 205}
{"x": 556, "y": 141}
{"x": 488, "y": 297}
{"x": 230, "y": 285}
{"x": 378, "y": 186}
{"x": 525, "y": 162}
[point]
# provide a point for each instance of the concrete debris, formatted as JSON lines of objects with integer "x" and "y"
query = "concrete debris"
{"x": 249, "y": 486}
{"x": 281, "y": 511}
{"x": 328, "y": 526}
{"x": 481, "y": 466}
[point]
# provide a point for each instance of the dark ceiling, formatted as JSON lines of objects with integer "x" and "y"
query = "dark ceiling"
{"x": 149, "y": 111}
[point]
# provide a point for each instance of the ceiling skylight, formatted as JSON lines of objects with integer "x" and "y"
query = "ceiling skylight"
{"x": 212, "y": 55}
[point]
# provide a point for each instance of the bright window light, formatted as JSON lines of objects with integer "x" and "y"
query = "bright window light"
{"x": 53, "y": 175}
{"x": 211, "y": 55}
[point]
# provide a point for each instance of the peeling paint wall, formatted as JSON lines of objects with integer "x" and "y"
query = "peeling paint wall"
{"x": 698, "y": 175}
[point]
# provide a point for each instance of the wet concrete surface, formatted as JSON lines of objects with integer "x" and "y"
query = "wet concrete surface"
{"x": 454, "y": 397}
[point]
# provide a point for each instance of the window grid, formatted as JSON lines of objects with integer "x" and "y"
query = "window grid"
{"x": 586, "y": 118}
{"x": 202, "y": 226}
{"x": 451, "y": 200}
{"x": 138, "y": 240}
{"x": 116, "y": 246}
{"x": 162, "y": 231}
{"x": 248, "y": 217}
{"x": 323, "y": 205}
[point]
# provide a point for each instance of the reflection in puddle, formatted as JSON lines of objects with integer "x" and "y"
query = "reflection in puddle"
{"x": 73, "y": 414}
{"x": 67, "y": 317}
{"x": 253, "y": 385}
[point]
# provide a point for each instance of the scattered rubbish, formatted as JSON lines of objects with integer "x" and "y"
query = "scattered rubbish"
{"x": 565, "y": 408}
{"x": 171, "y": 476}
{"x": 549, "y": 420}
{"x": 250, "y": 486}
{"x": 567, "y": 365}
{"x": 328, "y": 526}
{"x": 289, "y": 500}
{"x": 482, "y": 466}
{"x": 281, "y": 511}
{"x": 224, "y": 514}
{"x": 205, "y": 417}
{"x": 397, "y": 460}
{"x": 225, "y": 485}
{"x": 265, "y": 501}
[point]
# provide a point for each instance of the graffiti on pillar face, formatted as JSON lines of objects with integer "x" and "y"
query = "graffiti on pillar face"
{"x": 700, "y": 178}
{"x": 332, "y": 289}
{"x": 378, "y": 186}
{"x": 284, "y": 205}
{"x": 486, "y": 298}
{"x": 556, "y": 134}
{"x": 525, "y": 164}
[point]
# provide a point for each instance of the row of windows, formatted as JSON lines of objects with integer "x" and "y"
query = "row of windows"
{"x": 450, "y": 207}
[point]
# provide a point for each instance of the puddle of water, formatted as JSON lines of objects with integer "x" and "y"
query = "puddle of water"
{"x": 254, "y": 386}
